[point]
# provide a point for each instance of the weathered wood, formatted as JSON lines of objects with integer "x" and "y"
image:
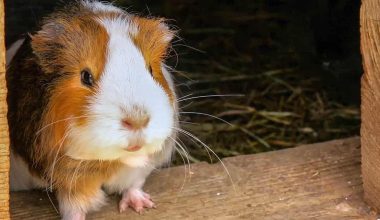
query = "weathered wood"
{"x": 370, "y": 129}
{"x": 4, "y": 140}
{"x": 320, "y": 181}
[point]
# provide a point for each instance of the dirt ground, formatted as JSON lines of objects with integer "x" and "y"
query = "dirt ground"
{"x": 288, "y": 72}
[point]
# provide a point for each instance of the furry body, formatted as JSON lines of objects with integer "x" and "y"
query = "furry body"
{"x": 69, "y": 136}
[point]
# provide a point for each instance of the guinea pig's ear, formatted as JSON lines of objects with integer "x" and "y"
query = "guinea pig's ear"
{"x": 153, "y": 37}
{"x": 45, "y": 44}
{"x": 167, "y": 33}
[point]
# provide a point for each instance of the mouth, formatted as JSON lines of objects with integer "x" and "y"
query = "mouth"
{"x": 133, "y": 148}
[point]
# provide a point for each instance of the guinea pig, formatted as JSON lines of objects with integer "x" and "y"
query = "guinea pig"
{"x": 92, "y": 107}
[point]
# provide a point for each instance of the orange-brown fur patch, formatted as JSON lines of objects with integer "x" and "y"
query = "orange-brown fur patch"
{"x": 82, "y": 179}
{"x": 80, "y": 44}
{"x": 153, "y": 39}
{"x": 71, "y": 46}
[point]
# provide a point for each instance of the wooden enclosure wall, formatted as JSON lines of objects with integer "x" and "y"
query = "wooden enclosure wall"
{"x": 4, "y": 141}
{"x": 370, "y": 131}
{"x": 370, "y": 108}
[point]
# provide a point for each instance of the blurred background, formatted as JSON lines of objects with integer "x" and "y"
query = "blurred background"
{"x": 297, "y": 65}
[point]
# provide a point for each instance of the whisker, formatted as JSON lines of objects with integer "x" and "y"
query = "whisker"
{"x": 185, "y": 96}
{"x": 208, "y": 152}
{"x": 55, "y": 160}
{"x": 191, "y": 158}
{"x": 205, "y": 114}
{"x": 185, "y": 106}
{"x": 189, "y": 168}
{"x": 61, "y": 120}
{"x": 38, "y": 133}
{"x": 184, "y": 151}
{"x": 76, "y": 179}
{"x": 209, "y": 96}
{"x": 51, "y": 201}
{"x": 187, "y": 122}
{"x": 176, "y": 55}
{"x": 72, "y": 178}
{"x": 184, "y": 146}
{"x": 206, "y": 146}
{"x": 185, "y": 166}
{"x": 181, "y": 84}
{"x": 172, "y": 70}
{"x": 190, "y": 47}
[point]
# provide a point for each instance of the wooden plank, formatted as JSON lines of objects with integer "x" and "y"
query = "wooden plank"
{"x": 370, "y": 92}
{"x": 319, "y": 181}
{"x": 4, "y": 140}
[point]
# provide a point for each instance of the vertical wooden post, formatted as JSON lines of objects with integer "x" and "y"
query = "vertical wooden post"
{"x": 370, "y": 93}
{"x": 4, "y": 140}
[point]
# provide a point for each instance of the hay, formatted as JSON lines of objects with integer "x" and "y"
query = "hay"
{"x": 278, "y": 112}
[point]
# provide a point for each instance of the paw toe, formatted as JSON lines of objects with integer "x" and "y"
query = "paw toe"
{"x": 137, "y": 200}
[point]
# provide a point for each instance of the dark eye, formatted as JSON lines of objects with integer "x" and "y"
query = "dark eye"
{"x": 86, "y": 77}
{"x": 150, "y": 70}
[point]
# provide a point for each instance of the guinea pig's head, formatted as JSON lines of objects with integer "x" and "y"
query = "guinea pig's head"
{"x": 111, "y": 97}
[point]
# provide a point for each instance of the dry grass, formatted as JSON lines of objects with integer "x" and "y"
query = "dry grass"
{"x": 280, "y": 110}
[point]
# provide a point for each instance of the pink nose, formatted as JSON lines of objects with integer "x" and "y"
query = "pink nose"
{"x": 136, "y": 120}
{"x": 134, "y": 123}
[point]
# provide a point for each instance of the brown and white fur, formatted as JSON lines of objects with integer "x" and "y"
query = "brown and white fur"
{"x": 83, "y": 137}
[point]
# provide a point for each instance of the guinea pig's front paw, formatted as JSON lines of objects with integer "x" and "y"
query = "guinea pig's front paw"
{"x": 136, "y": 199}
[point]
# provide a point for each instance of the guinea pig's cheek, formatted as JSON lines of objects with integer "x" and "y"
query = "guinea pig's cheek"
{"x": 84, "y": 144}
{"x": 153, "y": 146}
{"x": 93, "y": 153}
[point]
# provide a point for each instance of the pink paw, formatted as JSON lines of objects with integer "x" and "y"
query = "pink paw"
{"x": 135, "y": 199}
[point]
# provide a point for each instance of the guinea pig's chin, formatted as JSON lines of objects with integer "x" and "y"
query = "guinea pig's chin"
{"x": 83, "y": 147}
{"x": 142, "y": 157}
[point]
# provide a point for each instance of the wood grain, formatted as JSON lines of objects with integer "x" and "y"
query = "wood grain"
{"x": 4, "y": 140}
{"x": 370, "y": 128}
{"x": 319, "y": 181}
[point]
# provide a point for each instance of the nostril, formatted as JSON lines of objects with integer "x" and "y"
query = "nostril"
{"x": 135, "y": 123}
{"x": 126, "y": 124}
{"x": 135, "y": 118}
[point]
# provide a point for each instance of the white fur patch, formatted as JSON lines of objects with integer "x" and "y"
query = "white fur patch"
{"x": 79, "y": 205}
{"x": 20, "y": 177}
{"x": 169, "y": 35}
{"x": 96, "y": 6}
{"x": 11, "y": 52}
{"x": 126, "y": 178}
